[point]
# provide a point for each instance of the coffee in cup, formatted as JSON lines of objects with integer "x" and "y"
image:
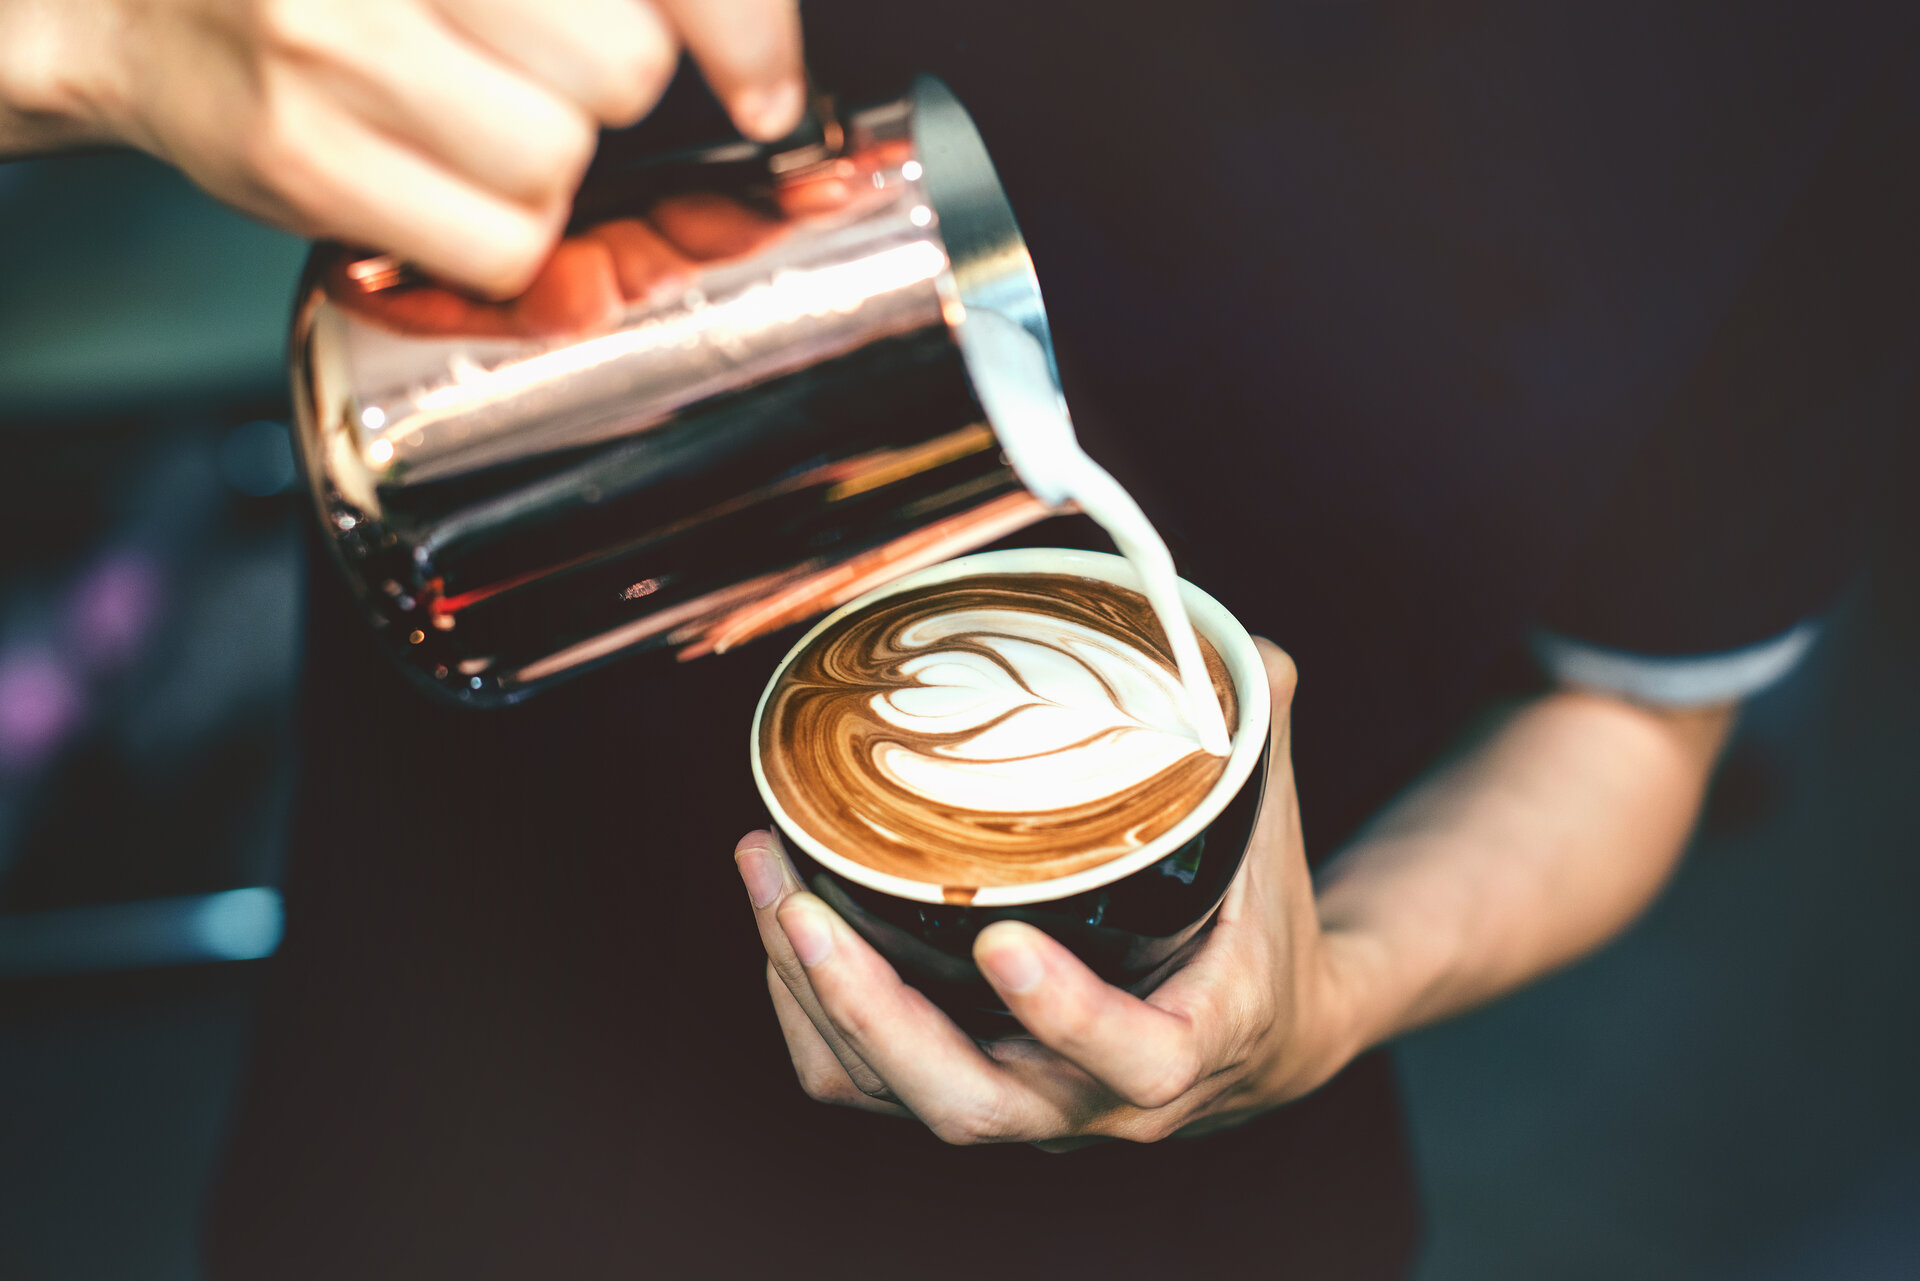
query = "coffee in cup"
{"x": 1006, "y": 736}
{"x": 996, "y": 729}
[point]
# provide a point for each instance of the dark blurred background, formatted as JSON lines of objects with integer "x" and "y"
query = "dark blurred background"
{"x": 1726, "y": 1093}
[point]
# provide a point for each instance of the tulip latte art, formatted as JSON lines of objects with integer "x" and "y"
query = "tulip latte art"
{"x": 992, "y": 730}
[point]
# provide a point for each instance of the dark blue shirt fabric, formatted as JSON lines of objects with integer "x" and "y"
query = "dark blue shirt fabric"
{"x": 1417, "y": 327}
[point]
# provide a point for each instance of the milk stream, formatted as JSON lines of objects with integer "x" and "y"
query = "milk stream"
{"x": 1113, "y": 509}
{"x": 1030, "y": 416}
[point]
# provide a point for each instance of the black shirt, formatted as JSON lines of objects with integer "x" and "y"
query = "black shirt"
{"x": 1418, "y": 328}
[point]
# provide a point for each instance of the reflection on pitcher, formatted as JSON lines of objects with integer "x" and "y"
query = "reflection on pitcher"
{"x": 601, "y": 277}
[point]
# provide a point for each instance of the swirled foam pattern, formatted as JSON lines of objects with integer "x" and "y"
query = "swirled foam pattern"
{"x": 995, "y": 730}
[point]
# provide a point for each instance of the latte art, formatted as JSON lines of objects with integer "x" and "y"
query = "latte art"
{"x": 1054, "y": 715}
{"x": 993, "y": 730}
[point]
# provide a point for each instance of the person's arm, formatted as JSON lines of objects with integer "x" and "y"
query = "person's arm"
{"x": 1529, "y": 849}
{"x": 449, "y": 132}
{"x": 1533, "y": 847}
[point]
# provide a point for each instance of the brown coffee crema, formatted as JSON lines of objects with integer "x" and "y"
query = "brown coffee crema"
{"x": 994, "y": 730}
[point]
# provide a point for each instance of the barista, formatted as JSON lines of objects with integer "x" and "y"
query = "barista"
{"x": 1422, "y": 334}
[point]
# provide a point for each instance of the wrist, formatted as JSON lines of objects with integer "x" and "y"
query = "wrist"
{"x": 1395, "y": 936}
{"x": 55, "y": 76}
{"x": 1330, "y": 1025}
{"x": 1368, "y": 1014}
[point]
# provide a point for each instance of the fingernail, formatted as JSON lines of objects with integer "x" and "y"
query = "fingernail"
{"x": 771, "y": 113}
{"x": 1013, "y": 967}
{"x": 812, "y": 937}
{"x": 760, "y": 869}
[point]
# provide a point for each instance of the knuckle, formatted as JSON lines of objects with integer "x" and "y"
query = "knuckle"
{"x": 872, "y": 1086}
{"x": 554, "y": 169}
{"x": 634, "y": 82}
{"x": 954, "y": 1134}
{"x": 853, "y": 1022}
{"x": 1138, "y": 1125}
{"x": 508, "y": 263}
{"x": 547, "y": 150}
{"x": 619, "y": 106}
{"x": 823, "y": 1085}
{"x": 1282, "y": 673}
{"x": 653, "y": 63}
{"x": 789, "y": 973}
{"x": 1157, "y": 1128}
{"x": 573, "y": 144}
{"x": 298, "y": 27}
{"x": 855, "y": 1018}
{"x": 969, "y": 1125}
{"x": 1171, "y": 1082}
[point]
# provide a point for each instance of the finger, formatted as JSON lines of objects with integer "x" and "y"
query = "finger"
{"x": 933, "y": 1067}
{"x": 1283, "y": 678}
{"x": 612, "y": 57}
{"x": 749, "y": 51}
{"x": 344, "y": 179}
{"x": 770, "y": 881}
{"x": 422, "y": 309}
{"x": 818, "y": 194}
{"x": 575, "y": 293}
{"x": 647, "y": 267}
{"x": 822, "y": 1075}
{"x": 1281, "y": 880}
{"x": 1232, "y": 981}
{"x": 415, "y": 78}
{"x": 1147, "y": 1055}
{"x": 705, "y": 226}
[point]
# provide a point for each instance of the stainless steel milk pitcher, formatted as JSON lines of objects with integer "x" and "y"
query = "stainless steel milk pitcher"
{"x": 738, "y": 396}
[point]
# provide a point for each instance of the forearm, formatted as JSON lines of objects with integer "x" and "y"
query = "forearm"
{"x": 1533, "y": 848}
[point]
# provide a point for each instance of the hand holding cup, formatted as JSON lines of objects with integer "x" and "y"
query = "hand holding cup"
{"x": 1234, "y": 1020}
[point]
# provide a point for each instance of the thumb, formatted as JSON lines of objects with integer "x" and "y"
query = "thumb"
{"x": 1279, "y": 811}
{"x": 1282, "y": 677}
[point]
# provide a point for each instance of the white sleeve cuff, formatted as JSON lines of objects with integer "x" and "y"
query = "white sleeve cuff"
{"x": 1691, "y": 680}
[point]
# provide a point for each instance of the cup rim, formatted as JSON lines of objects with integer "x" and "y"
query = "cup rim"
{"x": 1230, "y": 638}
